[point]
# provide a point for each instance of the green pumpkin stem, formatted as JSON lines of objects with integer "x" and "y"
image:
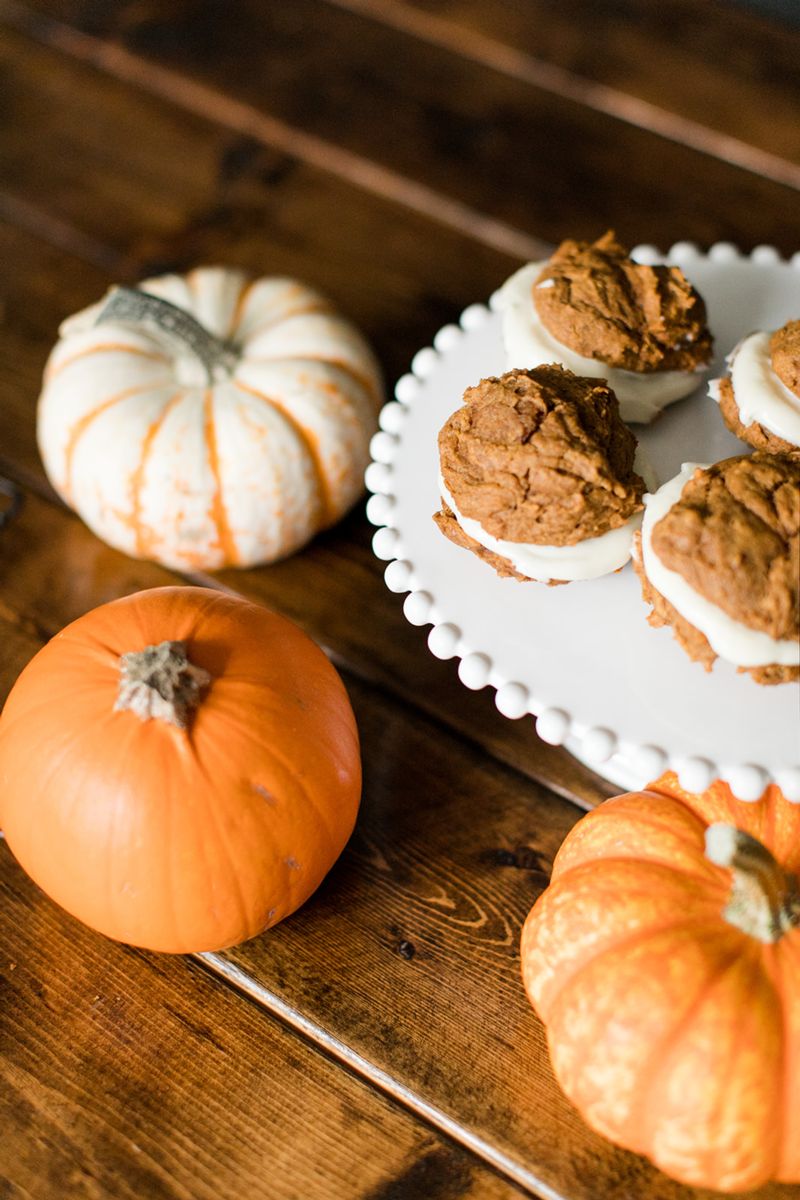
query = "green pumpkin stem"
{"x": 764, "y": 900}
{"x": 131, "y": 306}
{"x": 160, "y": 682}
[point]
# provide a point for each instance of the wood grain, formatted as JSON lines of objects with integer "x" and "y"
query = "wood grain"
{"x": 504, "y": 147}
{"x": 192, "y": 191}
{"x": 129, "y": 1075}
{"x": 717, "y": 78}
{"x": 404, "y": 965}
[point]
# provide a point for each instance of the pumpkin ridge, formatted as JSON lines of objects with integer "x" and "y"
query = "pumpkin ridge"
{"x": 356, "y": 376}
{"x": 110, "y": 848}
{"x": 756, "y": 967}
{"x": 321, "y": 306}
{"x": 82, "y": 424}
{"x": 10, "y": 718}
{"x": 330, "y": 387}
{"x": 656, "y": 817}
{"x": 783, "y": 999}
{"x": 209, "y": 796}
{"x": 301, "y": 787}
{"x": 166, "y": 838}
{"x": 137, "y": 480}
{"x": 621, "y": 1133}
{"x": 654, "y": 820}
{"x": 647, "y": 823}
{"x": 625, "y": 942}
{"x": 117, "y": 347}
{"x": 709, "y": 880}
{"x": 674, "y": 1036}
{"x": 219, "y": 513}
{"x": 28, "y": 839}
{"x": 779, "y": 953}
{"x": 370, "y": 388}
{"x": 238, "y": 308}
{"x": 283, "y": 764}
{"x": 327, "y": 514}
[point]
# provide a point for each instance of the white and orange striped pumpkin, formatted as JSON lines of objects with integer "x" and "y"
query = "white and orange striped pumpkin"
{"x": 209, "y": 420}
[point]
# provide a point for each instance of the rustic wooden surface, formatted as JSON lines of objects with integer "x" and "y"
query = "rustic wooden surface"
{"x": 131, "y": 1075}
{"x": 402, "y": 155}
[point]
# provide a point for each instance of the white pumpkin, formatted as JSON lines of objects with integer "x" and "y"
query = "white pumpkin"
{"x": 224, "y": 427}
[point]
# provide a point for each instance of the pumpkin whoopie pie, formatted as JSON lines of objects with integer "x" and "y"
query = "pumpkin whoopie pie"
{"x": 718, "y": 556}
{"x": 593, "y": 309}
{"x": 537, "y": 476}
{"x": 760, "y": 398}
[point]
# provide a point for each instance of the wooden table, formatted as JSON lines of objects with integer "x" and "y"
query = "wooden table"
{"x": 402, "y": 155}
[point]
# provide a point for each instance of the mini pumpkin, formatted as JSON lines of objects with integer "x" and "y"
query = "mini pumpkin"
{"x": 664, "y": 959}
{"x": 179, "y": 769}
{"x": 209, "y": 420}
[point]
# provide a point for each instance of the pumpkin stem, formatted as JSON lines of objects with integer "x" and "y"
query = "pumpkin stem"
{"x": 764, "y": 900}
{"x": 159, "y": 681}
{"x": 132, "y": 306}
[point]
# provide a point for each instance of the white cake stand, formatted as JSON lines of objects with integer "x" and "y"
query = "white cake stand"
{"x": 621, "y": 696}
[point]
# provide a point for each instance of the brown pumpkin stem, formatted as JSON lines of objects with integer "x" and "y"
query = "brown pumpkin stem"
{"x": 131, "y": 306}
{"x": 160, "y": 682}
{"x": 764, "y": 900}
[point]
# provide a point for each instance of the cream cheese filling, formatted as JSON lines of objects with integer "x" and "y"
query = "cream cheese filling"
{"x": 641, "y": 395}
{"x": 588, "y": 559}
{"x": 760, "y": 394}
{"x": 731, "y": 640}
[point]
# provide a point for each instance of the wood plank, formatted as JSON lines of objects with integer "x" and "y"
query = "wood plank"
{"x": 723, "y": 81}
{"x": 160, "y": 189}
{"x": 130, "y": 1075}
{"x": 539, "y": 162}
{"x": 405, "y": 964}
{"x": 260, "y": 148}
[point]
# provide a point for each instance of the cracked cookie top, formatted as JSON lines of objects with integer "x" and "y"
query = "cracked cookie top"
{"x": 541, "y": 456}
{"x": 594, "y": 299}
{"x": 734, "y": 536}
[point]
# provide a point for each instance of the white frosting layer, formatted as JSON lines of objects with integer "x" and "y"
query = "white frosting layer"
{"x": 759, "y": 393}
{"x": 641, "y": 395}
{"x": 732, "y": 640}
{"x": 588, "y": 559}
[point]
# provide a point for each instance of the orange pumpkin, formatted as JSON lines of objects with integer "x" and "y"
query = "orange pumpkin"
{"x": 179, "y": 769}
{"x": 664, "y": 959}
